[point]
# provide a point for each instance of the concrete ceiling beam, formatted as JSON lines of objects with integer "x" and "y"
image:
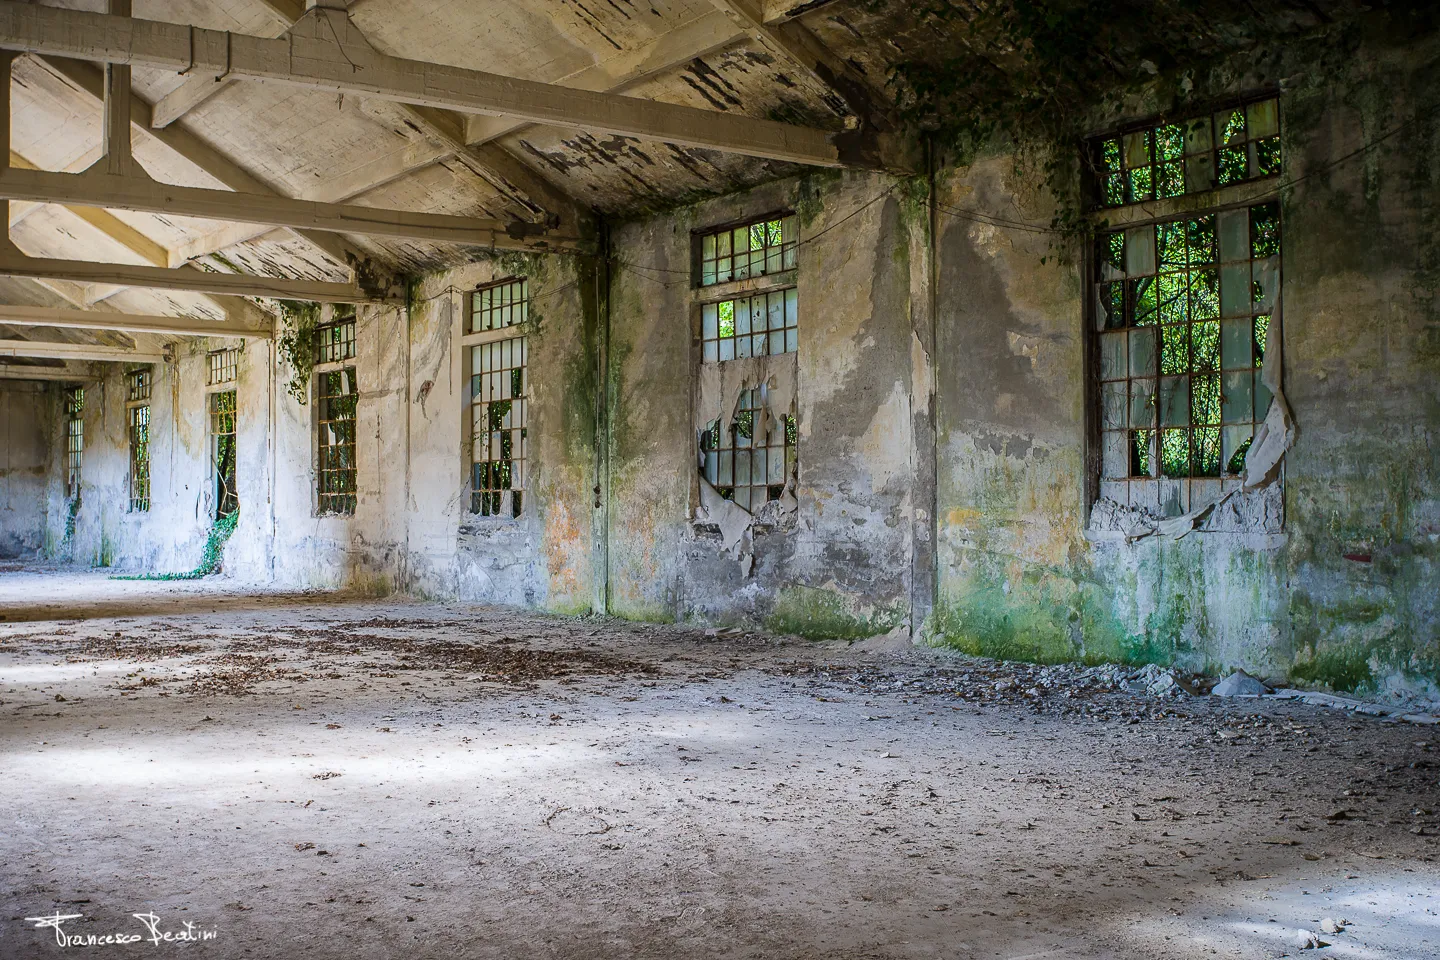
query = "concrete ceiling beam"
{"x": 89, "y": 80}
{"x": 143, "y": 195}
{"x": 326, "y": 51}
{"x": 22, "y": 316}
{"x": 15, "y": 264}
{"x": 67, "y": 373}
{"x": 77, "y": 351}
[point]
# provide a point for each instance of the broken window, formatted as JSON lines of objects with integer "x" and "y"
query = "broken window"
{"x": 499, "y": 392}
{"x": 221, "y": 366}
{"x": 754, "y": 249}
{"x": 335, "y": 341}
{"x": 499, "y": 305}
{"x": 74, "y": 439}
{"x": 745, "y": 411}
{"x": 137, "y": 408}
{"x": 222, "y": 452}
{"x": 1159, "y": 161}
{"x": 752, "y": 462}
{"x": 762, "y": 325}
{"x": 1182, "y": 314}
{"x": 337, "y": 392}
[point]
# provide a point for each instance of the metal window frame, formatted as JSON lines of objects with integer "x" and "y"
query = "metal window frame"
{"x": 231, "y": 496}
{"x": 140, "y": 385}
{"x": 325, "y": 345}
{"x": 489, "y": 502}
{"x": 74, "y": 439}
{"x": 1097, "y": 172}
{"x": 1222, "y": 201}
{"x": 726, "y": 442}
{"x": 776, "y": 259}
{"x": 222, "y": 367}
{"x": 519, "y": 305}
{"x": 344, "y": 500}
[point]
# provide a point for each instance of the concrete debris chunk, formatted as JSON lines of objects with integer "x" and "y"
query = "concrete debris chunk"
{"x": 1240, "y": 684}
{"x": 1331, "y": 925}
{"x": 1306, "y": 940}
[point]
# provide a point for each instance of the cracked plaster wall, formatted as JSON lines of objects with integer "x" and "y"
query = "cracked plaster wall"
{"x": 1346, "y": 596}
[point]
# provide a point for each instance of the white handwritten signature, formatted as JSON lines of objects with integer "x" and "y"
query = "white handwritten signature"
{"x": 153, "y": 934}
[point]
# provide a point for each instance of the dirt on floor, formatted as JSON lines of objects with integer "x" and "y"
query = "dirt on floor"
{"x": 268, "y": 775}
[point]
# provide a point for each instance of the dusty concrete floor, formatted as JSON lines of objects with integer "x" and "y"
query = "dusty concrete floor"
{"x": 327, "y": 777}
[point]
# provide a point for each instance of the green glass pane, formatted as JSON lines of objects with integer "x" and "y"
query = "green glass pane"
{"x": 1234, "y": 165}
{"x": 1137, "y": 149}
{"x": 1142, "y": 403}
{"x": 1140, "y": 251}
{"x": 1263, "y": 119}
{"x": 1233, "y": 227}
{"x": 1174, "y": 401}
{"x": 1172, "y": 294}
{"x": 1112, "y": 404}
{"x": 1170, "y": 179}
{"x": 1235, "y": 344}
{"x": 1141, "y": 185}
{"x": 1239, "y": 403}
{"x": 1205, "y": 346}
{"x": 1169, "y": 142}
{"x": 1115, "y": 455}
{"x": 1205, "y": 458}
{"x": 1264, "y": 230}
{"x": 1205, "y": 399}
{"x": 1142, "y": 300}
{"x": 1263, "y": 396}
{"x": 1172, "y": 243}
{"x": 1204, "y": 294}
{"x": 1199, "y": 173}
{"x": 1175, "y": 349}
{"x": 1235, "y": 292}
{"x": 1142, "y": 453}
{"x": 1175, "y": 453}
{"x": 1112, "y": 356}
{"x": 1197, "y": 136}
{"x": 1142, "y": 352}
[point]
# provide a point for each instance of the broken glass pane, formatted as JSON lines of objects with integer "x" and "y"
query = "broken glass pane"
{"x": 1142, "y": 453}
{"x": 1205, "y": 399}
{"x": 1264, "y": 230}
{"x": 1204, "y": 295}
{"x": 1175, "y": 453}
{"x": 1205, "y": 458}
{"x": 1142, "y": 304}
{"x": 1234, "y": 165}
{"x": 1172, "y": 293}
{"x": 1205, "y": 346}
{"x": 1175, "y": 349}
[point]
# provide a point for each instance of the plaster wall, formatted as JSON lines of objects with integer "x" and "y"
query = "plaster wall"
{"x": 26, "y": 436}
{"x": 845, "y": 566}
{"x": 1345, "y": 594}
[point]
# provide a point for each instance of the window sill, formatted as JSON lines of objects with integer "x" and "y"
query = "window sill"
{"x": 742, "y": 288}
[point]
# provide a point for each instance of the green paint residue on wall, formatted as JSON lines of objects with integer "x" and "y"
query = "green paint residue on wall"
{"x": 818, "y": 614}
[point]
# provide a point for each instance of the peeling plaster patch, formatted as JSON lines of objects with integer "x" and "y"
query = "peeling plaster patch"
{"x": 1025, "y": 346}
{"x": 922, "y": 375}
{"x": 884, "y": 449}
